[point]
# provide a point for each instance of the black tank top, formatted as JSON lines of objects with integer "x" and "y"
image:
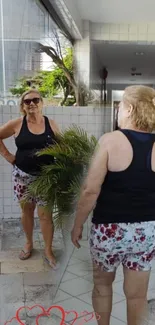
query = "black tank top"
{"x": 129, "y": 196}
{"x": 28, "y": 144}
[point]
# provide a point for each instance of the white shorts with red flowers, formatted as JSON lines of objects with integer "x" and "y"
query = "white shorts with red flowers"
{"x": 21, "y": 182}
{"x": 131, "y": 244}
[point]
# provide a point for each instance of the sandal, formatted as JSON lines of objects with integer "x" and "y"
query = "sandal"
{"x": 25, "y": 255}
{"x": 51, "y": 264}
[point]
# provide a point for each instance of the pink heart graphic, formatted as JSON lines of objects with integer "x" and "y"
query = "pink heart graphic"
{"x": 29, "y": 308}
{"x": 98, "y": 317}
{"x": 75, "y": 313}
{"x": 91, "y": 316}
{"x": 87, "y": 317}
{"x": 47, "y": 313}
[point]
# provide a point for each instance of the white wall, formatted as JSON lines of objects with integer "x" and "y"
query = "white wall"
{"x": 142, "y": 34}
{"x": 123, "y": 32}
{"x": 94, "y": 120}
{"x": 83, "y": 56}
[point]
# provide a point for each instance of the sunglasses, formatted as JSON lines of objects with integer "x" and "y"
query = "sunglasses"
{"x": 35, "y": 100}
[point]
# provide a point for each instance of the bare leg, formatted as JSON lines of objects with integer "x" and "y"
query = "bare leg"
{"x": 28, "y": 224}
{"x": 102, "y": 294}
{"x": 47, "y": 228}
{"x": 135, "y": 289}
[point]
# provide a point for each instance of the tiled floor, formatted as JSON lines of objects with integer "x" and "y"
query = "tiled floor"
{"x": 31, "y": 282}
{"x": 78, "y": 282}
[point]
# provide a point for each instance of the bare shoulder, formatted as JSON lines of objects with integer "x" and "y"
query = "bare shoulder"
{"x": 54, "y": 126}
{"x": 14, "y": 123}
{"x": 10, "y": 128}
{"x": 17, "y": 121}
{"x": 109, "y": 138}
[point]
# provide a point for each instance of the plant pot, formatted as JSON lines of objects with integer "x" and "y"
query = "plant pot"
{"x": 66, "y": 252}
{"x": 68, "y": 245}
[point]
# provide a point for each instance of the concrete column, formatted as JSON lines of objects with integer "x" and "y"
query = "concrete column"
{"x": 82, "y": 56}
{"x": 109, "y": 93}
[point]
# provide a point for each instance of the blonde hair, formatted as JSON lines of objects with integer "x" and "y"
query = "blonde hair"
{"x": 23, "y": 97}
{"x": 142, "y": 99}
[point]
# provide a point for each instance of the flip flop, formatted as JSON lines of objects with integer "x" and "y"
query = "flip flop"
{"x": 25, "y": 255}
{"x": 51, "y": 264}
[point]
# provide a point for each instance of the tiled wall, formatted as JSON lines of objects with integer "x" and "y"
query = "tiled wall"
{"x": 94, "y": 120}
{"x": 82, "y": 58}
{"x": 123, "y": 32}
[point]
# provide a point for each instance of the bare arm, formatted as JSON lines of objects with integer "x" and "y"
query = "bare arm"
{"x": 93, "y": 183}
{"x": 6, "y": 131}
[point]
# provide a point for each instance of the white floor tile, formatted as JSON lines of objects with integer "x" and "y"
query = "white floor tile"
{"x": 153, "y": 265}
{"x": 91, "y": 322}
{"x": 60, "y": 296}
{"x": 120, "y": 271}
{"x": 89, "y": 277}
{"x": 118, "y": 288}
{"x": 152, "y": 281}
{"x": 119, "y": 277}
{"x": 76, "y": 286}
{"x": 80, "y": 269}
{"x": 117, "y": 298}
{"x": 74, "y": 304}
{"x": 119, "y": 311}
{"x": 151, "y": 316}
{"x": 87, "y": 297}
{"x": 115, "y": 321}
{"x": 73, "y": 261}
{"x": 151, "y": 294}
{"x": 8, "y": 310}
{"x": 68, "y": 276}
{"x": 84, "y": 243}
{"x": 82, "y": 254}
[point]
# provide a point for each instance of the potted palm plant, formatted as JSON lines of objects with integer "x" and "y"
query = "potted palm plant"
{"x": 59, "y": 184}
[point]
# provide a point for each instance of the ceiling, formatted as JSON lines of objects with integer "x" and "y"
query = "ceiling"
{"x": 73, "y": 12}
{"x": 119, "y": 59}
{"x": 120, "y": 11}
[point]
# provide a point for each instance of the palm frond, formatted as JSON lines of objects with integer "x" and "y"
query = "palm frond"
{"x": 59, "y": 183}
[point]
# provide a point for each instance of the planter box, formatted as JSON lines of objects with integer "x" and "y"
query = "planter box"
{"x": 68, "y": 250}
{"x": 66, "y": 234}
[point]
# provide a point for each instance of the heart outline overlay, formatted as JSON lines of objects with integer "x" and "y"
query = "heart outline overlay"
{"x": 85, "y": 316}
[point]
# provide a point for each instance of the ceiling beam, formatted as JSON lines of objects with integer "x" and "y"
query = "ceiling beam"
{"x": 58, "y": 21}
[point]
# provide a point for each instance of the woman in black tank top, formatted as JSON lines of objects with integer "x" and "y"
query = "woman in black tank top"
{"x": 120, "y": 187}
{"x": 33, "y": 132}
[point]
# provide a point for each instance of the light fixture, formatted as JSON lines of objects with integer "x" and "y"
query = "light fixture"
{"x": 136, "y": 74}
{"x": 139, "y": 53}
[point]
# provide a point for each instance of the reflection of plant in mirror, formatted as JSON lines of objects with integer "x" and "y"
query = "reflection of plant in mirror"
{"x": 59, "y": 184}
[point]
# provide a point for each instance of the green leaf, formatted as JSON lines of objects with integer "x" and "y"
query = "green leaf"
{"x": 59, "y": 184}
{"x": 49, "y": 83}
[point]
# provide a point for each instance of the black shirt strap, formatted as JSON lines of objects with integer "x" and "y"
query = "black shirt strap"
{"x": 142, "y": 149}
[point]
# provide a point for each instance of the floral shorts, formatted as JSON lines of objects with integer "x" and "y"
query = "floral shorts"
{"x": 21, "y": 182}
{"x": 133, "y": 245}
